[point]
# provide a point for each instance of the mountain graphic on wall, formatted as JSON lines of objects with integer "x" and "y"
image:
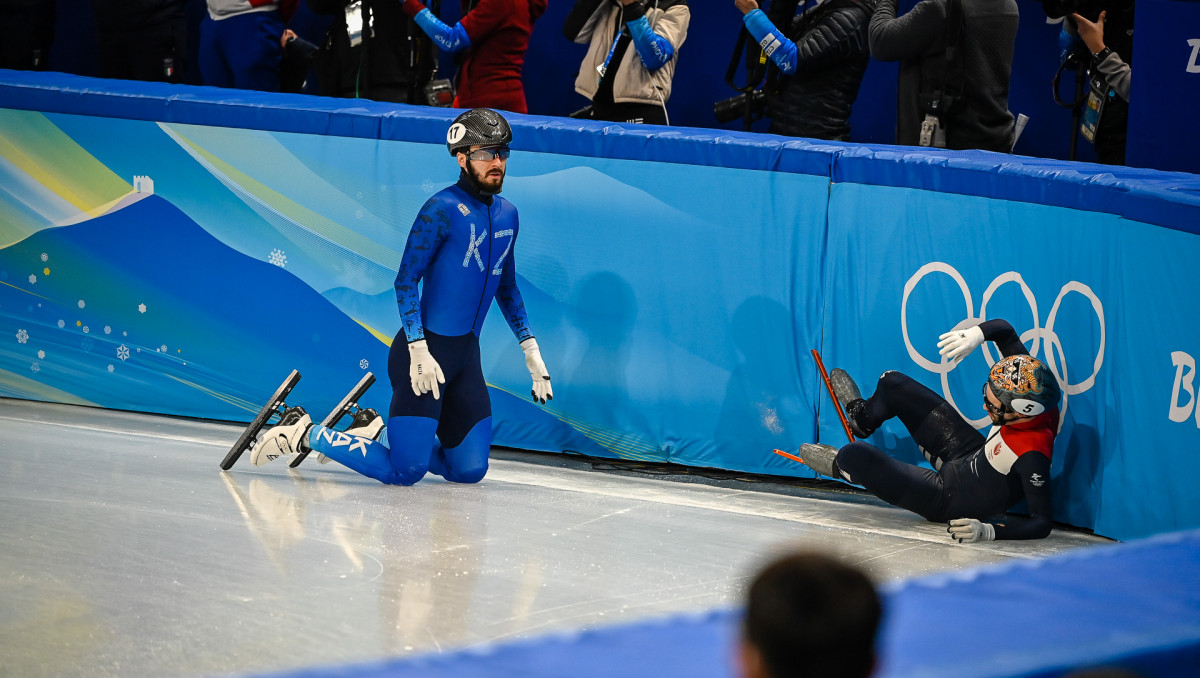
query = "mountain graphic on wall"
{"x": 142, "y": 309}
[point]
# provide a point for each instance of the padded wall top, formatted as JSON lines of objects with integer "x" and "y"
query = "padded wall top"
{"x": 1169, "y": 199}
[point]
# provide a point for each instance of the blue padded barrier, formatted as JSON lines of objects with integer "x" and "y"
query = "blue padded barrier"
{"x": 704, "y": 264}
{"x": 1169, "y": 199}
{"x": 1134, "y": 605}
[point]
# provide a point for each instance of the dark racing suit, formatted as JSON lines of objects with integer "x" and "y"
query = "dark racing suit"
{"x": 461, "y": 249}
{"x": 975, "y": 476}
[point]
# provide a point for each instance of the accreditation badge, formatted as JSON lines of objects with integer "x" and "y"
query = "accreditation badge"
{"x": 1098, "y": 92}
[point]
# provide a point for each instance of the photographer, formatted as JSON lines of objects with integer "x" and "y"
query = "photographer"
{"x": 489, "y": 44}
{"x": 1106, "y": 29}
{"x": 628, "y": 85}
{"x": 822, "y": 57}
{"x": 372, "y": 51}
{"x": 955, "y": 98}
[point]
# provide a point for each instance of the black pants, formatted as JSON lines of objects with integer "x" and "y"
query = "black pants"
{"x": 946, "y": 439}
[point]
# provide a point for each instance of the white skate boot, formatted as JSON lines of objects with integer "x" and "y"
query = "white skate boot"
{"x": 287, "y": 437}
{"x": 366, "y": 424}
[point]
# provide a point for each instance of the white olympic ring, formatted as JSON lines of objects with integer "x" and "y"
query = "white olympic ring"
{"x": 1055, "y": 358}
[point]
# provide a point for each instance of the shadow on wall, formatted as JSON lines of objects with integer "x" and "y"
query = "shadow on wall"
{"x": 1081, "y": 463}
{"x": 763, "y": 409}
{"x": 604, "y": 310}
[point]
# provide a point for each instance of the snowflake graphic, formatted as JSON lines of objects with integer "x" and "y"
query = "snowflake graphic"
{"x": 35, "y": 367}
{"x": 32, "y": 279}
{"x": 45, "y": 257}
{"x": 107, "y": 329}
{"x": 427, "y": 187}
{"x": 162, "y": 349}
{"x": 123, "y": 352}
{"x": 111, "y": 369}
{"x": 87, "y": 344}
{"x": 364, "y": 364}
{"x": 41, "y": 355}
{"x": 86, "y": 329}
{"x": 141, "y": 308}
{"x": 278, "y": 258}
{"x": 22, "y": 336}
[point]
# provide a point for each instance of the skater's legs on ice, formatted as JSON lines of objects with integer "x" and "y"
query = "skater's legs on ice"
{"x": 366, "y": 424}
{"x": 915, "y": 488}
{"x": 392, "y": 463}
{"x": 466, "y": 462}
{"x": 412, "y": 421}
{"x": 937, "y": 428}
{"x": 465, "y": 429}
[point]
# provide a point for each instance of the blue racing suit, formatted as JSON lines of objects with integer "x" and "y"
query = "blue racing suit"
{"x": 460, "y": 249}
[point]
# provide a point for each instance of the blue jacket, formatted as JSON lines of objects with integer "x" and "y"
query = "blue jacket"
{"x": 461, "y": 249}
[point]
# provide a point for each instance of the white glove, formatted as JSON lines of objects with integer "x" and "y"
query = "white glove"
{"x": 958, "y": 344}
{"x": 424, "y": 372}
{"x": 967, "y": 530}
{"x": 537, "y": 371}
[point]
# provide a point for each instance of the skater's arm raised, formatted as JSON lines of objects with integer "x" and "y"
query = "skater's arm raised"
{"x": 958, "y": 344}
{"x": 1002, "y": 334}
{"x": 428, "y": 231}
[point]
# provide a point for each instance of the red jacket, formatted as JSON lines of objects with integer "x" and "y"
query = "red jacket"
{"x": 490, "y": 73}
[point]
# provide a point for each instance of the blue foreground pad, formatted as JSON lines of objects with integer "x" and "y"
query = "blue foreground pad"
{"x": 1135, "y": 605}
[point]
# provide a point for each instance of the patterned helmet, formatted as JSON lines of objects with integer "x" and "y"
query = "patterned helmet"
{"x": 478, "y": 127}
{"x": 1024, "y": 385}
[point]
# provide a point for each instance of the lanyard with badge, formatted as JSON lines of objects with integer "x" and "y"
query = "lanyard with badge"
{"x": 1099, "y": 93}
{"x": 622, "y": 32}
{"x": 354, "y": 22}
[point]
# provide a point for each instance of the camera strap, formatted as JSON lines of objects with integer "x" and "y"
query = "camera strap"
{"x": 942, "y": 77}
{"x": 752, "y": 53}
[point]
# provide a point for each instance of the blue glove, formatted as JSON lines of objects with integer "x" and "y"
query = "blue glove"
{"x": 1068, "y": 42}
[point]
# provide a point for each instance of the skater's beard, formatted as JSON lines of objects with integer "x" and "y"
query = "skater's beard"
{"x": 490, "y": 182}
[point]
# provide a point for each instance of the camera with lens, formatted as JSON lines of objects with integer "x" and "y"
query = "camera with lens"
{"x": 728, "y": 110}
{"x": 750, "y": 103}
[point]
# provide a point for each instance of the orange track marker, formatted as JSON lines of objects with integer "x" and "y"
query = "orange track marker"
{"x": 829, "y": 387}
{"x": 789, "y": 456}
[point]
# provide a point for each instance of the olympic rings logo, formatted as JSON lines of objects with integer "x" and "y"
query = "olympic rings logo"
{"x": 1055, "y": 358}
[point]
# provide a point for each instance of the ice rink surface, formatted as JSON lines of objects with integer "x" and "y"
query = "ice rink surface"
{"x": 126, "y": 551}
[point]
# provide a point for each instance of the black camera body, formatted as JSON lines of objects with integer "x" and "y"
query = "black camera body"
{"x": 728, "y": 110}
{"x": 439, "y": 93}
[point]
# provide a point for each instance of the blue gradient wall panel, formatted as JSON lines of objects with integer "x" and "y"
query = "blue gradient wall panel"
{"x": 169, "y": 250}
{"x": 672, "y": 324}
